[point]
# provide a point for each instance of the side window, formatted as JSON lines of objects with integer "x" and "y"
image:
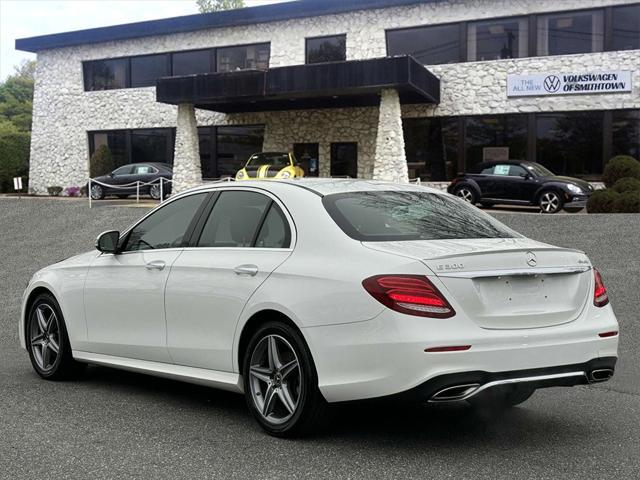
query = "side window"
{"x": 234, "y": 220}
{"x": 274, "y": 232}
{"x": 501, "y": 170}
{"x": 487, "y": 170}
{"x": 126, "y": 170}
{"x": 143, "y": 169}
{"x": 517, "y": 171}
{"x": 166, "y": 227}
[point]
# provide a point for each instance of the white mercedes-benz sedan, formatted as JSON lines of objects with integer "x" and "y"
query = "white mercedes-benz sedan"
{"x": 302, "y": 293}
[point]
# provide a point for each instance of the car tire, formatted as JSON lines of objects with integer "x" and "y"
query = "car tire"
{"x": 48, "y": 342}
{"x": 550, "y": 201}
{"x": 97, "y": 192}
{"x": 281, "y": 390}
{"x": 154, "y": 192}
{"x": 466, "y": 193}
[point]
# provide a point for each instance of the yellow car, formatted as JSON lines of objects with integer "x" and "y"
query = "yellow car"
{"x": 269, "y": 165}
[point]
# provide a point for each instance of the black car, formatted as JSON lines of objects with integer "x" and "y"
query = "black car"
{"x": 128, "y": 175}
{"x": 516, "y": 182}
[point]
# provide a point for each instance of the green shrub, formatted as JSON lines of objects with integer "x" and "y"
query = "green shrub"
{"x": 602, "y": 201}
{"x": 54, "y": 190}
{"x": 14, "y": 158}
{"x": 101, "y": 162}
{"x": 619, "y": 167}
{"x": 627, "y": 184}
{"x": 628, "y": 202}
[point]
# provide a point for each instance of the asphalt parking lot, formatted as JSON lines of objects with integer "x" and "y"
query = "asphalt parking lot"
{"x": 115, "y": 424}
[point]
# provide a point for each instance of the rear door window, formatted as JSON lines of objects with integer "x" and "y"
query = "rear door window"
{"x": 410, "y": 215}
{"x": 243, "y": 219}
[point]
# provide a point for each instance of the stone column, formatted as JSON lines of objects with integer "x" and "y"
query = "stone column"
{"x": 187, "y": 172}
{"x": 390, "y": 162}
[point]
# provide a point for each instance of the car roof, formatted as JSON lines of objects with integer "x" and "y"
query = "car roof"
{"x": 325, "y": 186}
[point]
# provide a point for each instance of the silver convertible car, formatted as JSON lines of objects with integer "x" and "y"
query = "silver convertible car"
{"x": 302, "y": 293}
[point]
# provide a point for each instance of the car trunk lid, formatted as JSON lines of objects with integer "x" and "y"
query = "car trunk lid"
{"x": 505, "y": 283}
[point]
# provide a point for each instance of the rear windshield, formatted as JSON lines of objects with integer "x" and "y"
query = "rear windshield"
{"x": 408, "y": 215}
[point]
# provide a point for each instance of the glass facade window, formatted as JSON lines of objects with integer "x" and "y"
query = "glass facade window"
{"x": 431, "y": 146}
{"x": 626, "y": 133}
{"x": 570, "y": 143}
{"x": 498, "y": 39}
{"x": 152, "y": 145}
{"x": 496, "y": 137}
{"x": 147, "y": 69}
{"x": 105, "y": 74}
{"x": 326, "y": 49}
{"x": 192, "y": 62}
{"x": 626, "y": 27}
{"x": 430, "y": 45}
{"x": 247, "y": 57}
{"x": 225, "y": 150}
{"x": 131, "y": 146}
{"x": 571, "y": 32}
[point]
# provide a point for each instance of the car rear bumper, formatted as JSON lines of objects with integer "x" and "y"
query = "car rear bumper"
{"x": 468, "y": 385}
{"x": 386, "y": 355}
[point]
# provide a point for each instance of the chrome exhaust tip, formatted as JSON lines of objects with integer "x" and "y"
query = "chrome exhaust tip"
{"x": 457, "y": 392}
{"x": 600, "y": 375}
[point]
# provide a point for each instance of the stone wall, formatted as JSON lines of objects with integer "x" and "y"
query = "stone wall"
{"x": 63, "y": 112}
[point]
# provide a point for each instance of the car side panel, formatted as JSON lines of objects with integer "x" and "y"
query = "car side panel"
{"x": 66, "y": 282}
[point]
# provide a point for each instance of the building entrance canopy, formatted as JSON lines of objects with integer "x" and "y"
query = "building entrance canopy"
{"x": 324, "y": 85}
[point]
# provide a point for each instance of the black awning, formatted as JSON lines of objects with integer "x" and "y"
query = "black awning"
{"x": 322, "y": 85}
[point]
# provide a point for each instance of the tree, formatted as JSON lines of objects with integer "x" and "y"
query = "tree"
{"x": 16, "y": 100}
{"x": 206, "y": 6}
{"x": 16, "y": 97}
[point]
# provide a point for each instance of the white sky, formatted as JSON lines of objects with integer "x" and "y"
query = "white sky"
{"x": 28, "y": 18}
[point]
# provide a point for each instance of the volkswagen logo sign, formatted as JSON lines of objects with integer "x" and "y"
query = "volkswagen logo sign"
{"x": 532, "y": 261}
{"x": 551, "y": 83}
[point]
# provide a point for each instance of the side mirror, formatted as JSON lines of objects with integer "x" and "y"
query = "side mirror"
{"x": 107, "y": 242}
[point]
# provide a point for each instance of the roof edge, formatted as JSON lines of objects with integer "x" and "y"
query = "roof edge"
{"x": 188, "y": 23}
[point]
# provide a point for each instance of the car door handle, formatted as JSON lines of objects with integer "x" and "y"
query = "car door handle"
{"x": 155, "y": 265}
{"x": 250, "y": 270}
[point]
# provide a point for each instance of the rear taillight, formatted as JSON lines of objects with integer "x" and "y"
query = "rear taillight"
{"x": 600, "y": 297}
{"x": 410, "y": 294}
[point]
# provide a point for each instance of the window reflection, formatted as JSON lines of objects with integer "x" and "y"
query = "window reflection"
{"x": 327, "y": 49}
{"x": 626, "y": 133}
{"x": 431, "y": 146}
{"x": 429, "y": 45}
{"x": 105, "y": 74}
{"x": 571, "y": 32}
{"x": 570, "y": 143}
{"x": 498, "y": 137}
{"x": 626, "y": 27}
{"x": 147, "y": 69}
{"x": 189, "y": 63}
{"x": 248, "y": 57}
{"x": 497, "y": 39}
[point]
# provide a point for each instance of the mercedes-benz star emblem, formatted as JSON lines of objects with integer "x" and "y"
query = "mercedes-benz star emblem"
{"x": 532, "y": 261}
{"x": 551, "y": 84}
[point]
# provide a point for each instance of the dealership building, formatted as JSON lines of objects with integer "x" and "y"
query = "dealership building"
{"x": 389, "y": 89}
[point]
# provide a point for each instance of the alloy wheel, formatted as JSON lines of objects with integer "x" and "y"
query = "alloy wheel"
{"x": 154, "y": 191}
{"x": 96, "y": 192}
{"x": 275, "y": 379}
{"x": 550, "y": 202}
{"x": 465, "y": 194}
{"x": 45, "y": 336}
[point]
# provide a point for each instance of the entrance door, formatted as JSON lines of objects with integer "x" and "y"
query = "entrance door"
{"x": 308, "y": 156}
{"x": 344, "y": 160}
